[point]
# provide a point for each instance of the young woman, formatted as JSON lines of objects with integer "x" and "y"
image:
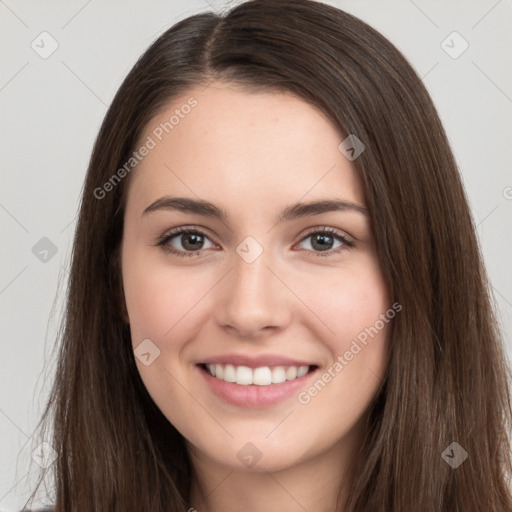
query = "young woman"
{"x": 276, "y": 299}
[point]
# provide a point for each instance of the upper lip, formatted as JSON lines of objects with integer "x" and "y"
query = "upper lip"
{"x": 255, "y": 361}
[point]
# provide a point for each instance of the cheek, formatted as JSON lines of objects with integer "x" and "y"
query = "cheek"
{"x": 158, "y": 300}
{"x": 349, "y": 301}
{"x": 357, "y": 308}
{"x": 160, "y": 305}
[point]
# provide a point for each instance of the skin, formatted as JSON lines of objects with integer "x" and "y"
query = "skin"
{"x": 253, "y": 154}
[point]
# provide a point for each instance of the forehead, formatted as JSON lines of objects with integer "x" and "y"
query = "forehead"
{"x": 221, "y": 142}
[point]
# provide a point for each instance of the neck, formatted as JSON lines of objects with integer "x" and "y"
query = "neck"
{"x": 320, "y": 483}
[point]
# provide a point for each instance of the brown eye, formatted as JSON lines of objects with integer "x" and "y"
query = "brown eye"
{"x": 185, "y": 242}
{"x": 326, "y": 241}
{"x": 322, "y": 241}
{"x": 192, "y": 241}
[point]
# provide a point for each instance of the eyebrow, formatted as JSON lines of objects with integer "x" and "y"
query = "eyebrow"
{"x": 295, "y": 211}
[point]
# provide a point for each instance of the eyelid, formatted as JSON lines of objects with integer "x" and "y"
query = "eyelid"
{"x": 346, "y": 239}
{"x": 174, "y": 232}
{"x": 327, "y": 229}
{"x": 192, "y": 228}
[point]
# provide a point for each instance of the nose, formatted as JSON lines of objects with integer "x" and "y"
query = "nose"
{"x": 253, "y": 302}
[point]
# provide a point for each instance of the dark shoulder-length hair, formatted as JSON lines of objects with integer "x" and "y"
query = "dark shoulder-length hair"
{"x": 447, "y": 379}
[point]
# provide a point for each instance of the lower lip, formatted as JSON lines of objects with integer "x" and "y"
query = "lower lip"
{"x": 254, "y": 396}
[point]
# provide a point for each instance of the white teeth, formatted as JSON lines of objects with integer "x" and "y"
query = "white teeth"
{"x": 243, "y": 375}
{"x": 278, "y": 375}
{"x": 261, "y": 376}
{"x": 302, "y": 371}
{"x": 291, "y": 373}
{"x": 229, "y": 373}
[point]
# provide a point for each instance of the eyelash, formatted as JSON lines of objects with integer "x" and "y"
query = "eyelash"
{"x": 163, "y": 241}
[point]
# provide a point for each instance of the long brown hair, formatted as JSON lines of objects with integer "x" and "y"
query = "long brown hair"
{"x": 447, "y": 379}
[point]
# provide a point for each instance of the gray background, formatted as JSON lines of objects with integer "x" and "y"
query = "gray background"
{"x": 51, "y": 110}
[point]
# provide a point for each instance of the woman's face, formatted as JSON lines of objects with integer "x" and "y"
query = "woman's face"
{"x": 262, "y": 286}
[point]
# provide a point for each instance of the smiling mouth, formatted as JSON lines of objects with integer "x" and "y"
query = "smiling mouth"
{"x": 260, "y": 376}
